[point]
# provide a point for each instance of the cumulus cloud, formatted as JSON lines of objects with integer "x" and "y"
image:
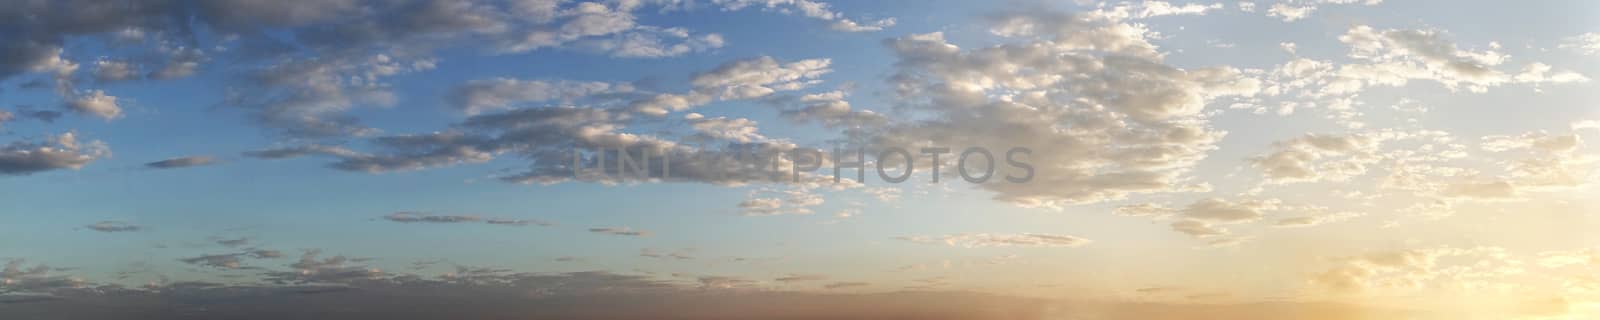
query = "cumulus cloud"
{"x": 848, "y": 25}
{"x": 1293, "y": 10}
{"x": 339, "y": 269}
{"x": 1144, "y": 210}
{"x": 339, "y": 55}
{"x": 1316, "y": 219}
{"x": 182, "y": 162}
{"x": 518, "y": 222}
{"x": 95, "y": 103}
{"x": 1398, "y": 55}
{"x": 979, "y": 240}
{"x": 219, "y": 261}
{"x": 1412, "y": 269}
{"x": 1303, "y": 159}
{"x": 1128, "y": 126}
{"x": 767, "y": 202}
{"x": 111, "y": 71}
{"x": 18, "y": 277}
{"x": 758, "y": 77}
{"x": 60, "y": 152}
{"x": 810, "y": 9}
{"x": 546, "y": 135}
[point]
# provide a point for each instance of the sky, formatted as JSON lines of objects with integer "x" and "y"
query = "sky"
{"x": 399, "y": 159}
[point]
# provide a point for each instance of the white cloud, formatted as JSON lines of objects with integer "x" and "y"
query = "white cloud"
{"x": 1587, "y": 43}
{"x": 758, "y": 77}
{"x": 96, "y": 103}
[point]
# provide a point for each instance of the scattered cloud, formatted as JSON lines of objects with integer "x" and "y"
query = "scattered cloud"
{"x": 182, "y": 162}
{"x": 60, "y": 152}
{"x": 979, "y": 240}
{"x": 114, "y": 226}
{"x": 620, "y": 231}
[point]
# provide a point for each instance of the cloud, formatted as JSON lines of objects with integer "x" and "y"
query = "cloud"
{"x": 1293, "y": 10}
{"x": 1487, "y": 190}
{"x": 231, "y": 243}
{"x": 1538, "y": 141}
{"x": 1394, "y": 56}
{"x": 797, "y": 200}
{"x": 622, "y": 231}
{"x": 60, "y": 152}
{"x": 758, "y": 77}
{"x": 829, "y": 109}
{"x": 612, "y": 30}
{"x": 415, "y": 217}
{"x": 311, "y": 268}
{"x": 1129, "y": 126}
{"x": 1198, "y": 228}
{"x": 1228, "y": 211}
{"x": 305, "y": 65}
{"x": 801, "y": 278}
{"x": 410, "y": 217}
{"x": 297, "y": 151}
{"x": 219, "y": 261}
{"x": 518, "y": 222}
{"x": 848, "y": 25}
{"x": 182, "y": 162}
{"x": 1151, "y": 9}
{"x": 95, "y": 103}
{"x": 654, "y": 42}
{"x": 114, "y": 226}
{"x": 685, "y": 254}
{"x": 479, "y": 96}
{"x": 1318, "y": 219}
{"x": 1412, "y": 269}
{"x": 1587, "y": 43}
{"x": 1144, "y": 210}
{"x": 843, "y": 285}
{"x": 112, "y": 71}
{"x": 810, "y": 9}
{"x": 17, "y": 277}
{"x": 979, "y": 240}
{"x": 1303, "y": 159}
{"x": 264, "y": 254}
{"x": 546, "y": 135}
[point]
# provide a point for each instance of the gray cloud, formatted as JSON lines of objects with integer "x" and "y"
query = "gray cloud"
{"x": 622, "y": 231}
{"x": 113, "y": 226}
{"x": 182, "y": 162}
{"x": 219, "y": 261}
{"x": 231, "y": 243}
{"x": 60, "y": 152}
{"x": 409, "y": 217}
{"x": 414, "y": 217}
{"x": 341, "y": 52}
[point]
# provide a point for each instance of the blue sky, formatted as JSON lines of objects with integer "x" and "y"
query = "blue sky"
{"x": 1221, "y": 150}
